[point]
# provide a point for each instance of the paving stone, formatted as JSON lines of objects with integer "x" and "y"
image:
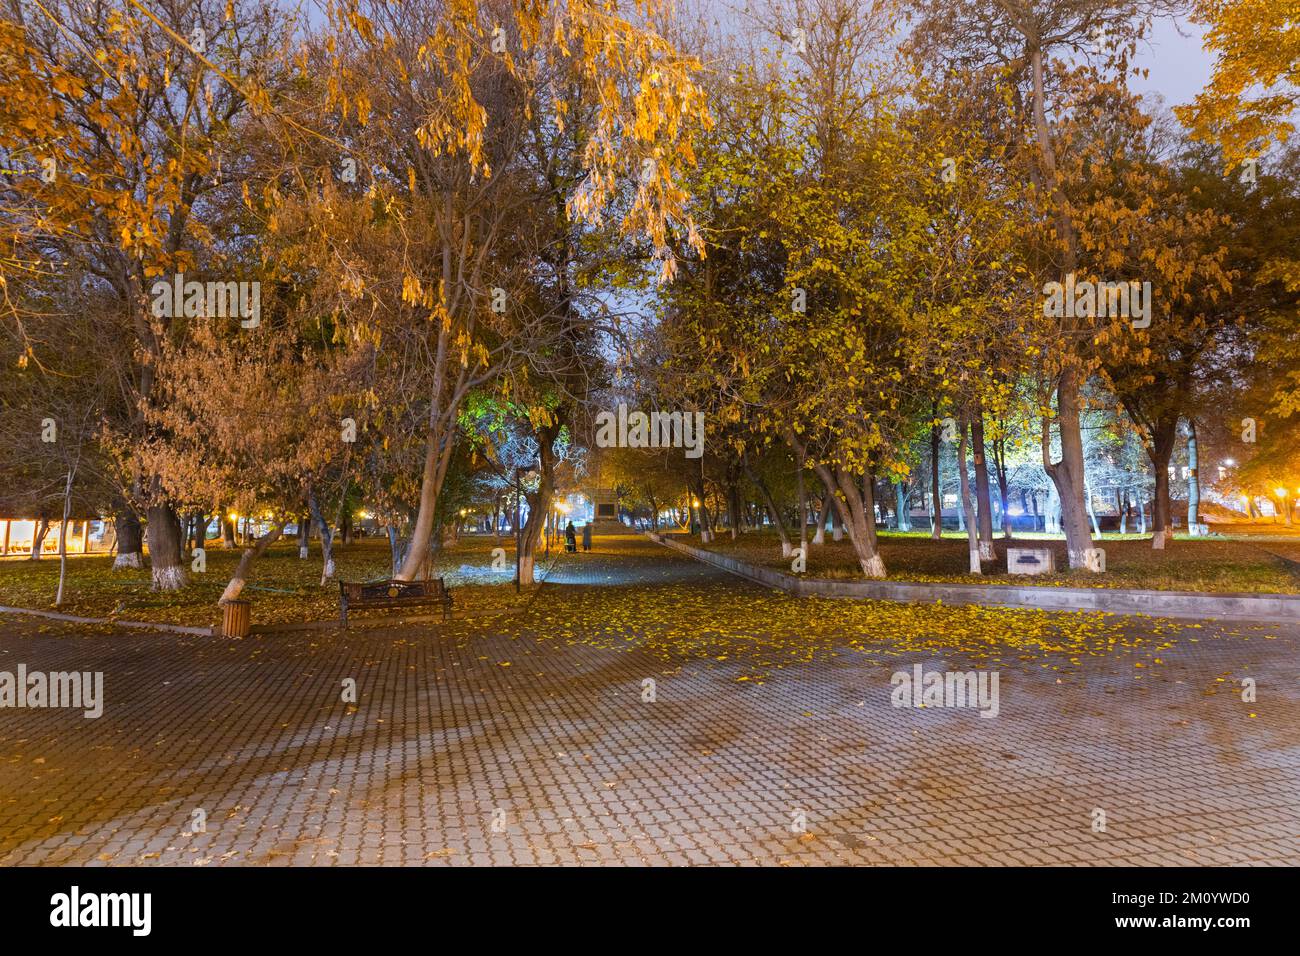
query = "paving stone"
{"x": 443, "y": 737}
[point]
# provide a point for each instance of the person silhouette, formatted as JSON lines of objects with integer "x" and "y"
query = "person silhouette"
{"x": 570, "y": 538}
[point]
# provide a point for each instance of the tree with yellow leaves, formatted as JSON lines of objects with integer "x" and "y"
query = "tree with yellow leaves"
{"x": 132, "y": 116}
{"x": 1254, "y": 90}
{"x": 439, "y": 98}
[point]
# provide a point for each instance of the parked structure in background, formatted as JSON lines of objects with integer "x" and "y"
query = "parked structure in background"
{"x": 605, "y": 518}
{"x": 85, "y": 536}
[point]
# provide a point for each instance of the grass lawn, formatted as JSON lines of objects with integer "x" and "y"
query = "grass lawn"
{"x": 1230, "y": 563}
{"x": 283, "y": 588}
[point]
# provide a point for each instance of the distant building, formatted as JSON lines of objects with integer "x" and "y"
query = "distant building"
{"x": 85, "y": 536}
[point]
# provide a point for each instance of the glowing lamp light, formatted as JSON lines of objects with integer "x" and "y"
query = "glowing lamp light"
{"x": 1229, "y": 462}
{"x": 1280, "y": 492}
{"x": 695, "y": 502}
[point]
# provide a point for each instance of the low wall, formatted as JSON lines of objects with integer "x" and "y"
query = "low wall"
{"x": 1271, "y": 608}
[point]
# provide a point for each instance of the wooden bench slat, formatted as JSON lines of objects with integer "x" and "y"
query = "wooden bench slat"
{"x": 391, "y": 593}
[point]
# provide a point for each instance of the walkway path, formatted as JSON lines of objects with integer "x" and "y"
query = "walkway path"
{"x": 770, "y": 737}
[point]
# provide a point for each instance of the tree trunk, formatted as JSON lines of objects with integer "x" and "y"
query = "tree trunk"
{"x": 855, "y": 511}
{"x": 39, "y": 534}
{"x": 982, "y": 493}
{"x": 854, "y": 506}
{"x": 227, "y": 531}
{"x": 1160, "y": 450}
{"x": 539, "y": 502}
{"x": 706, "y": 521}
{"x": 393, "y": 546}
{"x": 1092, "y": 513}
{"x": 732, "y": 500}
{"x": 304, "y": 536}
{"x": 974, "y": 542}
{"x": 436, "y": 459}
{"x": 163, "y": 533}
{"x": 1004, "y": 487}
{"x": 63, "y": 537}
{"x": 773, "y": 511}
{"x": 326, "y": 538}
{"x": 130, "y": 540}
{"x": 1160, "y": 519}
{"x": 1067, "y": 474}
{"x": 1193, "y": 479}
{"x": 245, "y": 567}
{"x": 696, "y": 489}
{"x": 936, "y": 497}
{"x": 824, "y": 508}
{"x": 902, "y": 506}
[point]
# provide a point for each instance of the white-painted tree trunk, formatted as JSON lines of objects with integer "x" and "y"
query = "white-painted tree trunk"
{"x": 873, "y": 567}
{"x": 170, "y": 578}
{"x": 973, "y": 542}
{"x": 236, "y": 585}
{"x": 63, "y": 537}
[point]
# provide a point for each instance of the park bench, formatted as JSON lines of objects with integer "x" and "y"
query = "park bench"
{"x": 393, "y": 594}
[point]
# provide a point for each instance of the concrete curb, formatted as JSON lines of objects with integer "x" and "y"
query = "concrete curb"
{"x": 1263, "y": 608}
{"x": 139, "y": 625}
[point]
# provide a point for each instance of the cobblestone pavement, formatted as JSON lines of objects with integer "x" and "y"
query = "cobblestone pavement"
{"x": 495, "y": 743}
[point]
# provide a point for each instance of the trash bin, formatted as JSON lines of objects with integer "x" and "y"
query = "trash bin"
{"x": 236, "y": 620}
